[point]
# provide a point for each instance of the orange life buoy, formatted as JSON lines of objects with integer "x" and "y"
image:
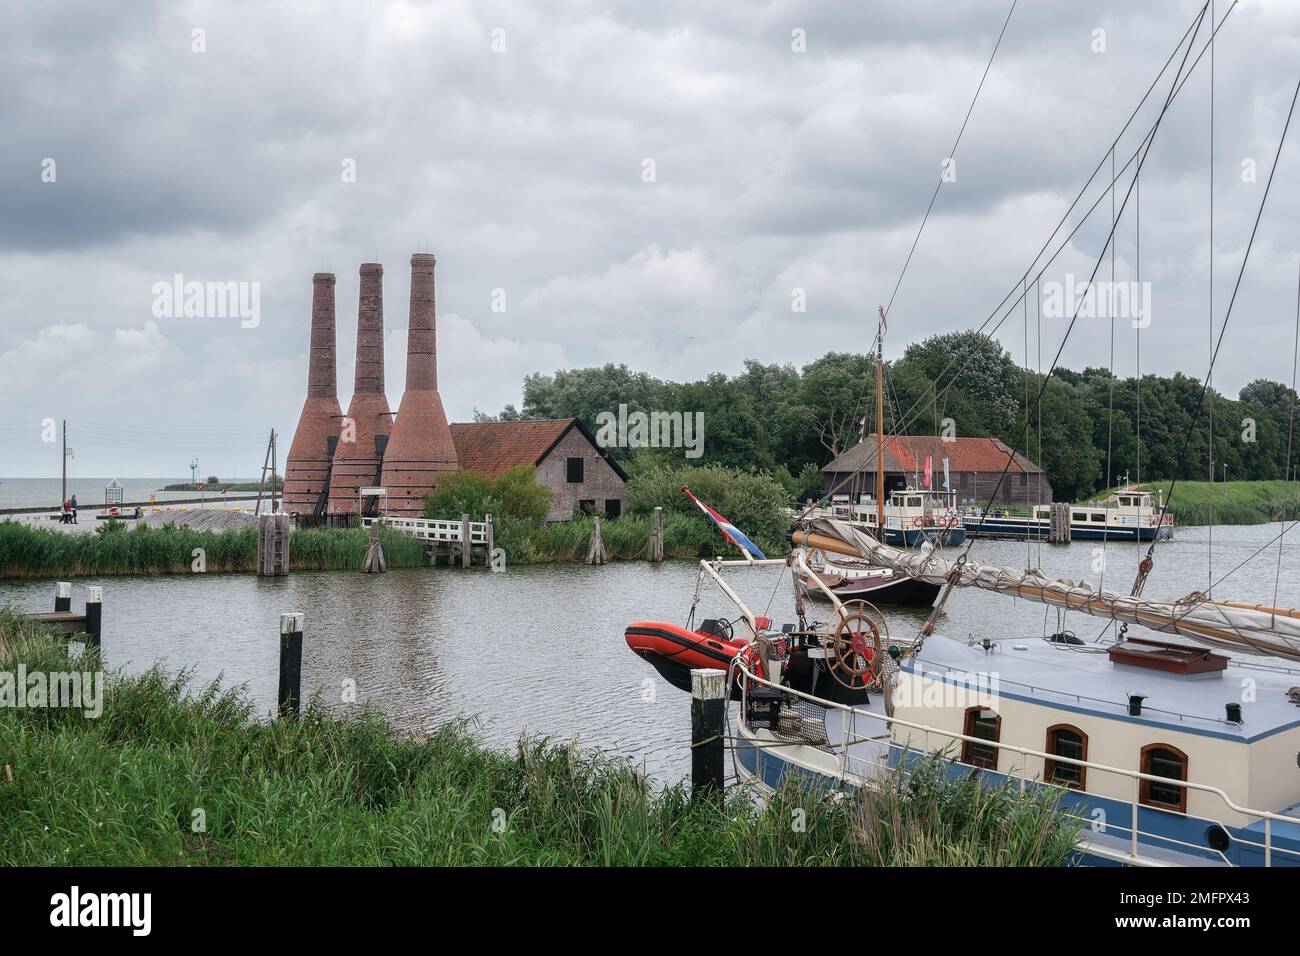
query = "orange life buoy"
{"x": 917, "y": 522}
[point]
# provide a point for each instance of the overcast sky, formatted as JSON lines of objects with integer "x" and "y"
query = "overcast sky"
{"x": 216, "y": 140}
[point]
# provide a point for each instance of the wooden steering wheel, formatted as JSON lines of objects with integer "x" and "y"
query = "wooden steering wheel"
{"x": 857, "y": 641}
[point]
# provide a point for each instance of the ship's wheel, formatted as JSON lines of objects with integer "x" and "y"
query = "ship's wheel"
{"x": 857, "y": 641}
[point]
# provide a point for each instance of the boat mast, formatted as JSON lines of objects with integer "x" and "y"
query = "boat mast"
{"x": 880, "y": 427}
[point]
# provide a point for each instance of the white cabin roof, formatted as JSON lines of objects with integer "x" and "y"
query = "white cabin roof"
{"x": 1081, "y": 678}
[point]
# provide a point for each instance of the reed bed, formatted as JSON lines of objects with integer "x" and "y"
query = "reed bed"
{"x": 27, "y": 552}
{"x": 173, "y": 774}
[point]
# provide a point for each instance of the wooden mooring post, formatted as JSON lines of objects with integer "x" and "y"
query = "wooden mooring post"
{"x": 94, "y": 616}
{"x": 273, "y": 544}
{"x": 708, "y": 730}
{"x": 596, "y": 549}
{"x": 290, "y": 693}
{"x": 1058, "y": 530}
{"x": 487, "y": 558}
{"x": 62, "y": 596}
{"x": 657, "y": 536}
{"x": 466, "y": 552}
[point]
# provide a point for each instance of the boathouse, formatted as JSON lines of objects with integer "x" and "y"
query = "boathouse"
{"x": 975, "y": 468}
{"x": 581, "y": 475}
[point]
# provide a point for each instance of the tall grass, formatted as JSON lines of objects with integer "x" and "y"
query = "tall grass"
{"x": 1233, "y": 502}
{"x": 27, "y": 552}
{"x": 172, "y": 774}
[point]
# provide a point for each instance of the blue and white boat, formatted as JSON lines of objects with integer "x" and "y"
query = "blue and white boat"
{"x": 1129, "y": 514}
{"x": 1168, "y": 751}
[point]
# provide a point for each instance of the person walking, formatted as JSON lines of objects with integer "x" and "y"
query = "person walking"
{"x": 74, "y": 509}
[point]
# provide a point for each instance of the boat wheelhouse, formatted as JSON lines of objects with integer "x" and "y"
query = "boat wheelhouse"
{"x": 913, "y": 516}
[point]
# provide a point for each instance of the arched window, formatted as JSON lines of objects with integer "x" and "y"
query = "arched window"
{"x": 1163, "y": 760}
{"x": 986, "y": 725}
{"x": 1066, "y": 740}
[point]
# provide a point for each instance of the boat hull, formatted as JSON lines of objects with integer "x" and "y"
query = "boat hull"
{"x": 1022, "y": 527}
{"x": 914, "y": 537}
{"x": 896, "y": 592}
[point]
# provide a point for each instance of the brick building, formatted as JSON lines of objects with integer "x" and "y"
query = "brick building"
{"x": 974, "y": 470}
{"x": 580, "y": 474}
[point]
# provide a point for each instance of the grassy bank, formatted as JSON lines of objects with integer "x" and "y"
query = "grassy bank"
{"x": 628, "y": 538}
{"x": 127, "y": 789}
{"x": 27, "y": 552}
{"x": 1247, "y": 502}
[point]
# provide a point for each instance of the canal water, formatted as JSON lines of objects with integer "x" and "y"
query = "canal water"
{"x": 540, "y": 649}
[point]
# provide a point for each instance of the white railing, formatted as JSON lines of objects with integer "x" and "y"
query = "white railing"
{"x": 434, "y": 529}
{"x": 849, "y": 737}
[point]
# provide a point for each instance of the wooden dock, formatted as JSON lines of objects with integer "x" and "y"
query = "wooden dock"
{"x": 449, "y": 539}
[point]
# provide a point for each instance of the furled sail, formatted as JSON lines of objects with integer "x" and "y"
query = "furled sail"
{"x": 1255, "y": 629}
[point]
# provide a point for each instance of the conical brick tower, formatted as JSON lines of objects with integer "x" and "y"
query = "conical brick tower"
{"x": 307, "y": 470}
{"x": 368, "y": 423}
{"x": 420, "y": 447}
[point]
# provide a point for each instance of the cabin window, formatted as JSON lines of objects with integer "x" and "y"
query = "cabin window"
{"x": 986, "y": 725}
{"x": 574, "y": 471}
{"x": 913, "y": 502}
{"x": 1079, "y": 516}
{"x": 1098, "y": 517}
{"x": 1164, "y": 760}
{"x": 1064, "y": 740}
{"x": 613, "y": 507}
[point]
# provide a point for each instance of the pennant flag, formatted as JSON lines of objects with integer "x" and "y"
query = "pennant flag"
{"x": 729, "y": 530}
{"x": 929, "y": 471}
{"x": 946, "y": 486}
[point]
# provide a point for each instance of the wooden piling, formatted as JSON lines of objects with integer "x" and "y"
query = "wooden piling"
{"x": 273, "y": 544}
{"x": 94, "y": 616}
{"x": 487, "y": 520}
{"x": 657, "y": 536}
{"x": 1058, "y": 531}
{"x": 708, "y": 730}
{"x": 63, "y": 596}
{"x": 466, "y": 552}
{"x": 290, "y": 694}
{"x": 596, "y": 549}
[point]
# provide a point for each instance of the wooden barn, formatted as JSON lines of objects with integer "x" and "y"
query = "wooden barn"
{"x": 974, "y": 470}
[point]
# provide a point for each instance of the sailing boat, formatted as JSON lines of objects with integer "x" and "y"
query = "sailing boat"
{"x": 859, "y": 579}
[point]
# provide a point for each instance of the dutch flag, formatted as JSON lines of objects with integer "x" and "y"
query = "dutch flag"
{"x": 729, "y": 530}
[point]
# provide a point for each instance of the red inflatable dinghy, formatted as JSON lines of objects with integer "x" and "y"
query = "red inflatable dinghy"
{"x": 674, "y": 651}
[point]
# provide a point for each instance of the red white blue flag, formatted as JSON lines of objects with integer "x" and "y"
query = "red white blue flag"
{"x": 729, "y": 530}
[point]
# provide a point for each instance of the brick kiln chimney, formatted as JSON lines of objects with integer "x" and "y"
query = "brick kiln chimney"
{"x": 421, "y": 445}
{"x": 368, "y": 423}
{"x": 307, "y": 469}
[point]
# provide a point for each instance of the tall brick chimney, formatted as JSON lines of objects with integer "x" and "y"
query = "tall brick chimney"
{"x": 368, "y": 422}
{"x": 421, "y": 445}
{"x": 308, "y": 465}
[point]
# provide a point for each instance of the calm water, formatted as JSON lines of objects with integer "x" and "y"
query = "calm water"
{"x": 541, "y": 649}
{"x": 44, "y": 492}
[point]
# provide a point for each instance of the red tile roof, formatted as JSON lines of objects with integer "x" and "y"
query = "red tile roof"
{"x": 491, "y": 448}
{"x": 906, "y": 453}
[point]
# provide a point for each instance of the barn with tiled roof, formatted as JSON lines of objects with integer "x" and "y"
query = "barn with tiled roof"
{"x": 581, "y": 475}
{"x": 975, "y": 467}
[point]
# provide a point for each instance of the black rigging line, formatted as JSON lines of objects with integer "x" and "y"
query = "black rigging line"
{"x": 1218, "y": 344}
{"x": 1096, "y": 266}
{"x": 906, "y": 419}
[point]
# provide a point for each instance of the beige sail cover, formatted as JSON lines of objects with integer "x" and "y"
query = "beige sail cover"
{"x": 1229, "y": 625}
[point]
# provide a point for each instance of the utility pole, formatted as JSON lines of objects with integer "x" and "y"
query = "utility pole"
{"x": 64, "y": 497}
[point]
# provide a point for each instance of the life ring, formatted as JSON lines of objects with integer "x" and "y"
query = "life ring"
{"x": 916, "y": 521}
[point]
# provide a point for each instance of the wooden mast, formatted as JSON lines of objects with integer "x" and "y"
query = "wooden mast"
{"x": 880, "y": 427}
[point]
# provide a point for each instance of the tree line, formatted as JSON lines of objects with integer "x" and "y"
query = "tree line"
{"x": 1084, "y": 433}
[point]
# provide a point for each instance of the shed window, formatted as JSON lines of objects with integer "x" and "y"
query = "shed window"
{"x": 613, "y": 507}
{"x": 586, "y": 506}
{"x": 986, "y": 725}
{"x": 1063, "y": 740}
{"x": 1164, "y": 760}
{"x": 574, "y": 471}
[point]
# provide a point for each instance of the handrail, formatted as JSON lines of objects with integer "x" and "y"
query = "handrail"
{"x": 1137, "y": 776}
